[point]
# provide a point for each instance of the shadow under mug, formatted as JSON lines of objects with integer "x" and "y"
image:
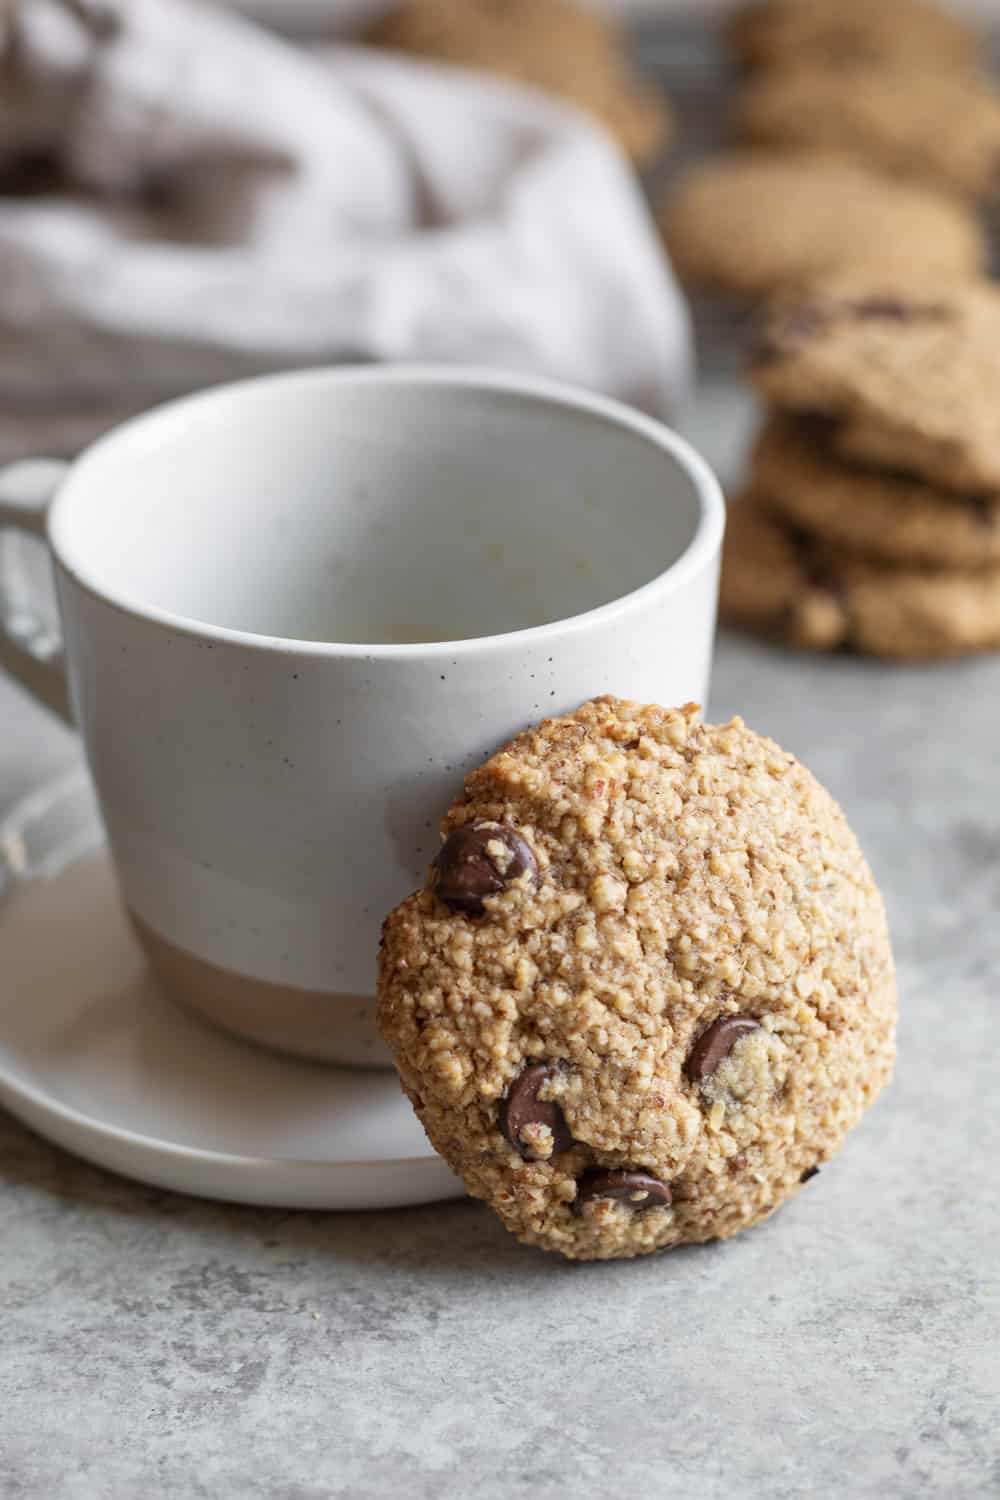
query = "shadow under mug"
{"x": 296, "y": 610}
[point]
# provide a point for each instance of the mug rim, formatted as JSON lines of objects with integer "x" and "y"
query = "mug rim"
{"x": 702, "y": 546}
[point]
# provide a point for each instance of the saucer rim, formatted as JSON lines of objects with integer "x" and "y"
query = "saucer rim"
{"x": 14, "y": 1085}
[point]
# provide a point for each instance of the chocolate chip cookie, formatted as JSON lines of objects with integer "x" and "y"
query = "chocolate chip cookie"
{"x": 931, "y": 126}
{"x": 753, "y": 222}
{"x": 554, "y": 45}
{"x": 648, "y": 987}
{"x": 912, "y": 32}
{"x": 780, "y": 582}
{"x": 912, "y": 379}
{"x": 872, "y": 511}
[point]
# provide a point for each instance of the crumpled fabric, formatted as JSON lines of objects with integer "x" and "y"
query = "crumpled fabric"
{"x": 185, "y": 199}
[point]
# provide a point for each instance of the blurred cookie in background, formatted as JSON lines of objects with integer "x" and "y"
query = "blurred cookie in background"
{"x": 554, "y": 45}
{"x": 902, "y": 520}
{"x": 910, "y": 377}
{"x": 871, "y": 520}
{"x": 765, "y": 585}
{"x": 934, "y": 125}
{"x": 754, "y": 222}
{"x": 770, "y": 33}
{"x": 779, "y": 582}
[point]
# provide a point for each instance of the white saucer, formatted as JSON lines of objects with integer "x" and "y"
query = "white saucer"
{"x": 94, "y": 1058}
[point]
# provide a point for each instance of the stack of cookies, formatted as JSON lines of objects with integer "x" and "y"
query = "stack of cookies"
{"x": 769, "y": 34}
{"x": 558, "y": 46}
{"x": 872, "y": 515}
{"x": 901, "y": 86}
{"x": 868, "y": 133}
{"x": 753, "y": 223}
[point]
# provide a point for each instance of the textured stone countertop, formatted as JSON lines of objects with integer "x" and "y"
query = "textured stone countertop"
{"x": 158, "y": 1345}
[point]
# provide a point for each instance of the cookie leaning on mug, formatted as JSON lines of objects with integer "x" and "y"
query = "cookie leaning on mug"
{"x": 648, "y": 987}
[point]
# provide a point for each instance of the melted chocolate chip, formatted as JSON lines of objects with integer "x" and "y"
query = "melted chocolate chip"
{"x": 890, "y": 308}
{"x": 985, "y": 510}
{"x": 479, "y": 860}
{"x": 522, "y": 1106}
{"x": 800, "y": 325}
{"x": 894, "y": 309}
{"x": 809, "y": 1174}
{"x": 788, "y": 333}
{"x": 638, "y": 1190}
{"x": 715, "y": 1044}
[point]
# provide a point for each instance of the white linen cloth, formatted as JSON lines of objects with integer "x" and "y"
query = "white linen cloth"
{"x": 308, "y": 208}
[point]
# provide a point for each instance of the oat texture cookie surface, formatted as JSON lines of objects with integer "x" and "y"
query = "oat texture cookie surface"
{"x": 882, "y": 514}
{"x": 930, "y": 126}
{"x": 782, "y": 583}
{"x": 558, "y": 46}
{"x": 912, "y": 32}
{"x": 648, "y": 988}
{"x": 912, "y": 379}
{"x": 754, "y": 222}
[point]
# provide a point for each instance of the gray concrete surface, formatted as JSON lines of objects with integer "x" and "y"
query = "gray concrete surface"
{"x": 156, "y": 1345}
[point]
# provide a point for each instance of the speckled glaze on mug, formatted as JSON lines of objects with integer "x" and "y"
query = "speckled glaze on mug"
{"x": 296, "y": 610}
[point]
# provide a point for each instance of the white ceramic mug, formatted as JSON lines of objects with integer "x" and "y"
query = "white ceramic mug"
{"x": 296, "y": 610}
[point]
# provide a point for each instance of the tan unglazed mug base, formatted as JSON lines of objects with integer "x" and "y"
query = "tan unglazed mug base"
{"x": 323, "y": 1025}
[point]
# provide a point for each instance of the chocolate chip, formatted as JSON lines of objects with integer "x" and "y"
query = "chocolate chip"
{"x": 800, "y": 325}
{"x": 985, "y": 511}
{"x": 478, "y": 860}
{"x": 881, "y": 307}
{"x": 786, "y": 333}
{"x": 809, "y": 1174}
{"x": 715, "y": 1043}
{"x": 639, "y": 1190}
{"x": 894, "y": 309}
{"x": 522, "y": 1106}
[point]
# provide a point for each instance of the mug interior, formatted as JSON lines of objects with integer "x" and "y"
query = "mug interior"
{"x": 376, "y": 509}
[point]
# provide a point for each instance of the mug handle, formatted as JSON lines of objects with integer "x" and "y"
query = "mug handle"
{"x": 29, "y": 648}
